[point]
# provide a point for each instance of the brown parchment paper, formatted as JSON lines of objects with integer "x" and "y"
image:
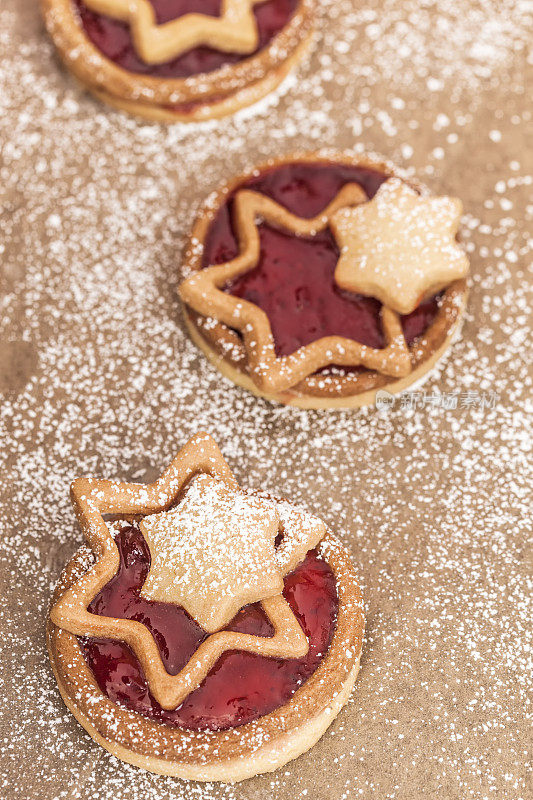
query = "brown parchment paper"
{"x": 98, "y": 377}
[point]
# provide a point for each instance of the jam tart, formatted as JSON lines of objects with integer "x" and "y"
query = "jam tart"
{"x": 317, "y": 279}
{"x": 204, "y": 631}
{"x": 180, "y": 60}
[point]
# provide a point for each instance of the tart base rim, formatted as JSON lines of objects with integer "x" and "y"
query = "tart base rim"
{"x": 228, "y": 755}
{"x": 268, "y": 759}
{"x": 300, "y": 400}
{"x": 204, "y": 111}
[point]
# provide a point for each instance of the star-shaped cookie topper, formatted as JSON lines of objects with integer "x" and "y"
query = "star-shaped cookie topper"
{"x": 213, "y": 553}
{"x": 171, "y": 508}
{"x": 234, "y": 31}
{"x": 203, "y": 292}
{"x": 400, "y": 246}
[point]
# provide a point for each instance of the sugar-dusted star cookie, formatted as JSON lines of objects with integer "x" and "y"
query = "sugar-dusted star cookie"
{"x": 213, "y": 553}
{"x": 400, "y": 247}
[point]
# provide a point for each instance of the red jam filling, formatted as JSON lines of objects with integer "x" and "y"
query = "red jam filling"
{"x": 113, "y": 37}
{"x": 241, "y": 686}
{"x": 293, "y": 281}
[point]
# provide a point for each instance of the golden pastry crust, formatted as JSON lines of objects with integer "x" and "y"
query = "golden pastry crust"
{"x": 197, "y": 98}
{"x": 226, "y": 348}
{"x": 336, "y": 392}
{"x": 204, "y": 755}
{"x": 259, "y": 746}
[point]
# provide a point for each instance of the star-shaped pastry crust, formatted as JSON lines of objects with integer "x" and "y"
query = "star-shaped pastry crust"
{"x": 213, "y": 553}
{"x": 168, "y": 516}
{"x": 400, "y": 246}
{"x": 203, "y": 292}
{"x": 234, "y": 31}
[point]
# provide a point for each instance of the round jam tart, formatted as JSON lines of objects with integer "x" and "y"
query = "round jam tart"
{"x": 180, "y": 60}
{"x": 316, "y": 280}
{"x": 207, "y": 632}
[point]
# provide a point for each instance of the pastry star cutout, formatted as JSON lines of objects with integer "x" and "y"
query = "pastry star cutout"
{"x": 234, "y": 31}
{"x": 213, "y": 553}
{"x": 400, "y": 246}
{"x": 204, "y": 292}
{"x": 199, "y": 469}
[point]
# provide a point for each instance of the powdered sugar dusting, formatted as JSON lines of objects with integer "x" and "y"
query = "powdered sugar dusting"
{"x": 99, "y": 378}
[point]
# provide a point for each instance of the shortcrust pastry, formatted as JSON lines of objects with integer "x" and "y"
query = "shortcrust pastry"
{"x": 206, "y": 631}
{"x": 317, "y": 279}
{"x": 180, "y": 60}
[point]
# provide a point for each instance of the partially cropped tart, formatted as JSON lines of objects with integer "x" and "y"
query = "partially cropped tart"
{"x": 207, "y": 631}
{"x": 180, "y": 60}
{"x": 318, "y": 279}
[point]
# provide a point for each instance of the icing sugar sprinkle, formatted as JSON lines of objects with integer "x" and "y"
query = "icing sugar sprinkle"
{"x": 99, "y": 377}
